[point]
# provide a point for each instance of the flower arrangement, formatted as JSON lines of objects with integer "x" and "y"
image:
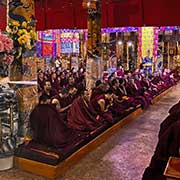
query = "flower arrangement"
{"x": 6, "y": 47}
{"x": 23, "y": 35}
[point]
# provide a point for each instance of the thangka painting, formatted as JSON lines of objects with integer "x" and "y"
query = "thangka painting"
{"x": 46, "y": 43}
{"x": 52, "y": 43}
{"x": 148, "y": 46}
{"x": 69, "y": 42}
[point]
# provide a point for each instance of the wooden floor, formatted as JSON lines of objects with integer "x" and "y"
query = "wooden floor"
{"x": 53, "y": 172}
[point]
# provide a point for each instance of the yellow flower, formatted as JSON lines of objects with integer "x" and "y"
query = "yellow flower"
{"x": 24, "y": 31}
{"x": 24, "y": 24}
{"x": 20, "y": 32}
{"x": 15, "y": 23}
{"x": 33, "y": 34}
{"x": 22, "y": 40}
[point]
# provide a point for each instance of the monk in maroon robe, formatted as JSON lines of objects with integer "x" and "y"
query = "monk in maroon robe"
{"x": 168, "y": 145}
{"x": 97, "y": 90}
{"x": 137, "y": 94}
{"x": 48, "y": 128}
{"x": 54, "y": 82}
{"x": 174, "y": 115}
{"x": 100, "y": 107}
{"x": 48, "y": 90}
{"x": 62, "y": 101}
{"x": 80, "y": 117}
{"x": 120, "y": 106}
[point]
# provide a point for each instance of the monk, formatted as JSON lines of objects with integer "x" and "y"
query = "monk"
{"x": 100, "y": 107}
{"x": 62, "y": 102}
{"x": 48, "y": 90}
{"x": 137, "y": 94}
{"x": 54, "y": 82}
{"x": 80, "y": 117}
{"x": 47, "y": 127}
{"x": 98, "y": 90}
{"x": 174, "y": 115}
{"x": 167, "y": 146}
{"x": 120, "y": 106}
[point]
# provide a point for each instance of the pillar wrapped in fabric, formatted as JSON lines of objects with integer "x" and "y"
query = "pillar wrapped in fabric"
{"x": 27, "y": 98}
{"x": 23, "y": 70}
{"x": 93, "y": 64}
{"x": 21, "y": 28}
{"x": 8, "y": 126}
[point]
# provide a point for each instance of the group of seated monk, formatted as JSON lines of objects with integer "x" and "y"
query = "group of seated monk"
{"x": 168, "y": 145}
{"x": 67, "y": 111}
{"x": 73, "y": 81}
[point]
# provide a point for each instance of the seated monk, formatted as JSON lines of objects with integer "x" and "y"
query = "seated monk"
{"x": 121, "y": 106}
{"x": 167, "y": 146}
{"x": 62, "y": 101}
{"x": 100, "y": 107}
{"x": 97, "y": 90}
{"x": 174, "y": 115}
{"x": 80, "y": 117}
{"x": 137, "y": 94}
{"x": 47, "y": 127}
{"x": 48, "y": 90}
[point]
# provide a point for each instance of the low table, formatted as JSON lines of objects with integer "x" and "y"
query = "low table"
{"x": 172, "y": 170}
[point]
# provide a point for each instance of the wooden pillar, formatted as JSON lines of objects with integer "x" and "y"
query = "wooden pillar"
{"x": 93, "y": 64}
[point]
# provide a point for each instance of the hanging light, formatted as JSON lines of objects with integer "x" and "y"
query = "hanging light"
{"x": 129, "y": 44}
{"x": 120, "y": 42}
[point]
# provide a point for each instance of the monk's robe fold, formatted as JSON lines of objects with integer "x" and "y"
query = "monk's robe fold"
{"x": 49, "y": 129}
{"x": 80, "y": 117}
{"x": 174, "y": 115}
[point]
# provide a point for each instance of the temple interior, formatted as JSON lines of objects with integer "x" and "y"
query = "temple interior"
{"x": 89, "y": 90}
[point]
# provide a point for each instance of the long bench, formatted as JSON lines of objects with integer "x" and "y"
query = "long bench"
{"x": 53, "y": 171}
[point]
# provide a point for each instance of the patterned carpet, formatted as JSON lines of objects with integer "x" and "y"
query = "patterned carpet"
{"x": 124, "y": 156}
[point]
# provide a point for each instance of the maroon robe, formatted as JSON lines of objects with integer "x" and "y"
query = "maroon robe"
{"x": 174, "y": 115}
{"x": 81, "y": 118}
{"x": 168, "y": 145}
{"x": 136, "y": 94}
{"x": 95, "y": 108}
{"x": 96, "y": 92}
{"x": 49, "y": 129}
{"x": 55, "y": 84}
